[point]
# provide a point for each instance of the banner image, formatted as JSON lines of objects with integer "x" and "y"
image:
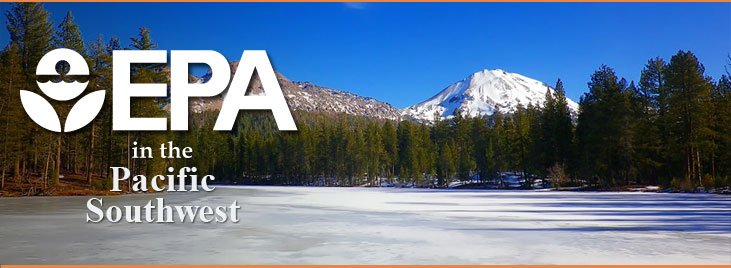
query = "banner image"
{"x": 309, "y": 134}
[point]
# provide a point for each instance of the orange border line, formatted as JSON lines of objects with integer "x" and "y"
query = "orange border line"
{"x": 357, "y": 266}
{"x": 387, "y": 1}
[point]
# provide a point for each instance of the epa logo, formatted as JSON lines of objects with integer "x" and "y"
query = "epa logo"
{"x": 86, "y": 108}
{"x": 81, "y": 113}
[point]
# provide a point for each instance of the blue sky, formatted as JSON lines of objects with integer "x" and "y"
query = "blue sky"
{"x": 403, "y": 53}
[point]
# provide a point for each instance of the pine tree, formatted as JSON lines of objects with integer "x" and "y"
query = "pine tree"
{"x": 143, "y": 41}
{"x": 721, "y": 159}
{"x": 146, "y": 107}
{"x": 521, "y": 142}
{"x": 563, "y": 125}
{"x": 374, "y": 151}
{"x": 100, "y": 79}
{"x": 113, "y": 45}
{"x": 501, "y": 136}
{"x": 535, "y": 158}
{"x": 479, "y": 141}
{"x": 548, "y": 125}
{"x": 687, "y": 95}
{"x": 11, "y": 113}
{"x": 446, "y": 165}
{"x": 648, "y": 110}
{"x": 556, "y": 137}
{"x": 425, "y": 155}
{"x": 390, "y": 148}
{"x": 67, "y": 36}
{"x": 30, "y": 28}
{"x": 603, "y": 130}
{"x": 491, "y": 166}
{"x": 464, "y": 146}
{"x": 408, "y": 151}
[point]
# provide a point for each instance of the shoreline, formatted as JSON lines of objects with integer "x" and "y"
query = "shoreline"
{"x": 105, "y": 193}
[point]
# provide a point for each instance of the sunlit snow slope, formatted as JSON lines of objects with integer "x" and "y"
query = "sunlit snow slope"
{"x": 483, "y": 93}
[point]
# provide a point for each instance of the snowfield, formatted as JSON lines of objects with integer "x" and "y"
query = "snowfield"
{"x": 294, "y": 225}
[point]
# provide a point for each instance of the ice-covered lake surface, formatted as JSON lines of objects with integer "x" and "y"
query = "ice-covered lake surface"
{"x": 293, "y": 225}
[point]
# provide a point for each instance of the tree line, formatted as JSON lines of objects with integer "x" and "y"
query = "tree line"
{"x": 670, "y": 128}
{"x": 36, "y": 158}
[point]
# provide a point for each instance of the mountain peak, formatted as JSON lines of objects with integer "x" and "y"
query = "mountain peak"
{"x": 483, "y": 93}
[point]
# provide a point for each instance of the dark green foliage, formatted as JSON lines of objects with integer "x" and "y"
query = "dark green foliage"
{"x": 721, "y": 127}
{"x": 68, "y": 35}
{"x": 649, "y": 134}
{"x": 687, "y": 115}
{"x": 30, "y": 28}
{"x": 604, "y": 130}
{"x": 11, "y": 112}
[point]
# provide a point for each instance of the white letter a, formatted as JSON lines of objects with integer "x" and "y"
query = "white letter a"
{"x": 273, "y": 98}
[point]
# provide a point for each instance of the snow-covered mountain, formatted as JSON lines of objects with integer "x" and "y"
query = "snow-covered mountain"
{"x": 483, "y": 93}
{"x": 305, "y": 96}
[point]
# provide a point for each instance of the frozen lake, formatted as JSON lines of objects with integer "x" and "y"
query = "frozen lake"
{"x": 292, "y": 225}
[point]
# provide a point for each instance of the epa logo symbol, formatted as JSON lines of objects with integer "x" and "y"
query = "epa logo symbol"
{"x": 41, "y": 111}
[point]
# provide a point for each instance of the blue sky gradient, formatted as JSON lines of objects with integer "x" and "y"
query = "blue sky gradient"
{"x": 403, "y": 53}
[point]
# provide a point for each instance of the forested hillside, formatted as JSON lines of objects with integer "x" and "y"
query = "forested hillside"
{"x": 670, "y": 128}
